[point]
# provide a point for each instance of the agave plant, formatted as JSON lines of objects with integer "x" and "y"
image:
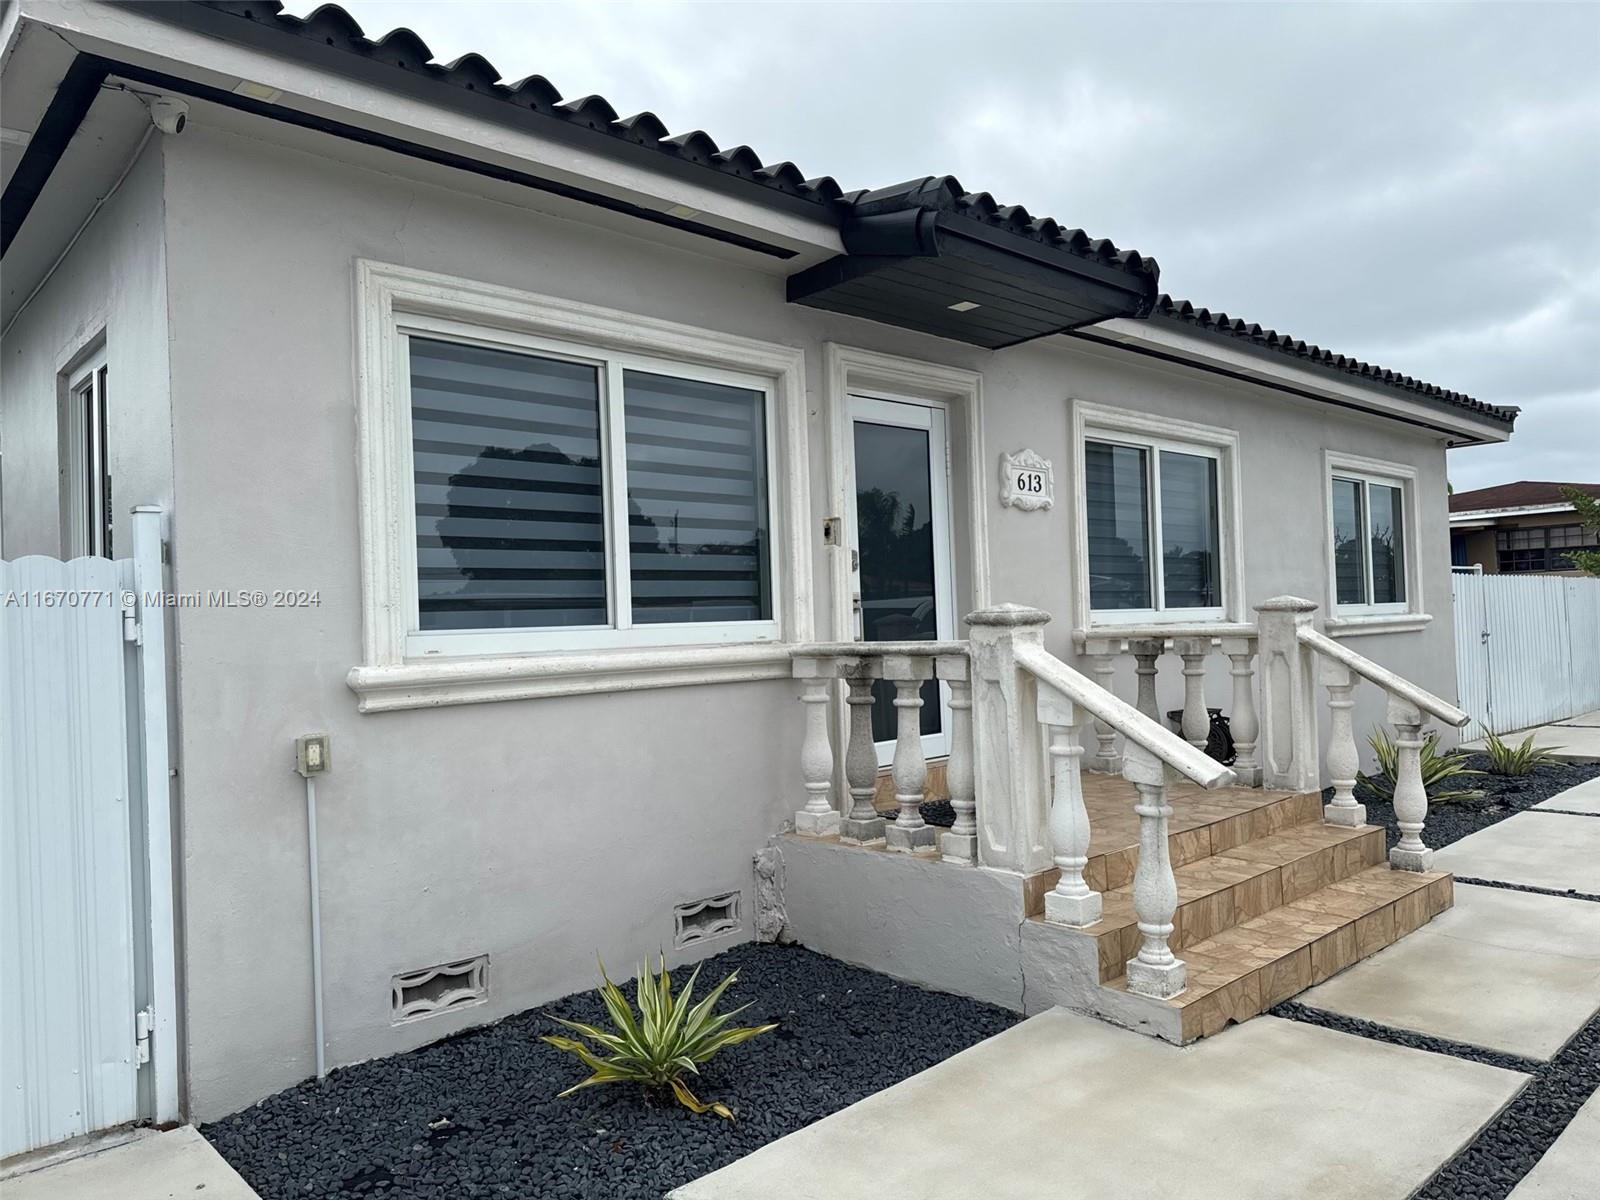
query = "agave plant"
{"x": 1506, "y": 759}
{"x": 1438, "y": 767}
{"x": 665, "y": 1040}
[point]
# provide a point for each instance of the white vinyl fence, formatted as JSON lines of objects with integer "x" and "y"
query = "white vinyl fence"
{"x": 1527, "y": 649}
{"x": 88, "y": 1038}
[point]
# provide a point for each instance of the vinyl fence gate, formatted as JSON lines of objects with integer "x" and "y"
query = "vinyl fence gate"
{"x": 88, "y": 1020}
{"x": 1527, "y": 649}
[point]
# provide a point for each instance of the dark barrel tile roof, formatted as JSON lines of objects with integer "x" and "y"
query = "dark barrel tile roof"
{"x": 331, "y": 26}
{"x": 1182, "y": 312}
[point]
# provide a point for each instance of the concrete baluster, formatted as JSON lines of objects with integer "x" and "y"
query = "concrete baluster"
{"x": 1344, "y": 760}
{"x": 1106, "y": 758}
{"x": 818, "y": 818}
{"x": 1410, "y": 797}
{"x": 960, "y": 843}
{"x": 1156, "y": 971}
{"x": 1196, "y": 725}
{"x": 1072, "y": 901}
{"x": 1242, "y": 722}
{"x": 1145, "y": 653}
{"x": 909, "y": 832}
{"x": 863, "y": 824}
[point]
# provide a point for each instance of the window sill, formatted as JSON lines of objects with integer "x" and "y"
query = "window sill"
{"x": 1359, "y": 626}
{"x": 436, "y": 683}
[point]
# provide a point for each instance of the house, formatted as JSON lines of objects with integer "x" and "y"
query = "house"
{"x": 539, "y": 459}
{"x": 1527, "y": 526}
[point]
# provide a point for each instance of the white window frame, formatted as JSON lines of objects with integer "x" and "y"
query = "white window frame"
{"x": 620, "y": 630}
{"x": 1392, "y": 617}
{"x": 85, "y": 493}
{"x": 405, "y": 667}
{"x": 1100, "y": 423}
{"x": 933, "y": 417}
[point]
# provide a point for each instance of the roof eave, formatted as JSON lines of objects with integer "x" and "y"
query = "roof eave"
{"x": 1181, "y": 343}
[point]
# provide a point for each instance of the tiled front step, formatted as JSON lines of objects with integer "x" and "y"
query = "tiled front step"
{"x": 1268, "y": 959}
{"x": 1202, "y": 824}
{"x": 1238, "y": 884}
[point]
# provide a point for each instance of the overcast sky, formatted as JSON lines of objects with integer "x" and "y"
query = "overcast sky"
{"x": 1417, "y": 185}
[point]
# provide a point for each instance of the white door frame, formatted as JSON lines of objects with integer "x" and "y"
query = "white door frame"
{"x": 932, "y": 416}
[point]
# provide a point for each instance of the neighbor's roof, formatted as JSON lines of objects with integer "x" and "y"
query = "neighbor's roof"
{"x": 785, "y": 185}
{"x": 1525, "y": 493}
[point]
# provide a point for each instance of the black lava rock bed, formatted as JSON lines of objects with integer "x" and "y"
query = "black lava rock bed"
{"x": 476, "y": 1115}
{"x": 1503, "y": 796}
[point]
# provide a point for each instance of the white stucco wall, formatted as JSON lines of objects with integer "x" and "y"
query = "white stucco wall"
{"x": 111, "y": 286}
{"x": 542, "y": 831}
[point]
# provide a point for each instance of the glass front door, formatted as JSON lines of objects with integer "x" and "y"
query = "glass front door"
{"x": 902, "y": 539}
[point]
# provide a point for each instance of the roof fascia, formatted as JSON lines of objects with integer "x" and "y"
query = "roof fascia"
{"x": 1178, "y": 346}
{"x": 128, "y": 35}
{"x": 1491, "y": 514}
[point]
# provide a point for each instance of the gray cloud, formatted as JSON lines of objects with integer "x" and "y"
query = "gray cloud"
{"x": 1418, "y": 185}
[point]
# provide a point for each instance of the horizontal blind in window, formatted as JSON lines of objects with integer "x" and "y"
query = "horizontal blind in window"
{"x": 697, "y": 500}
{"x": 509, "y": 497}
{"x": 1117, "y": 513}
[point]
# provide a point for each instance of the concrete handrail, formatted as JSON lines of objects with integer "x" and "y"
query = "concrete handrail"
{"x": 1395, "y": 685}
{"x": 875, "y": 649}
{"x": 1171, "y": 749}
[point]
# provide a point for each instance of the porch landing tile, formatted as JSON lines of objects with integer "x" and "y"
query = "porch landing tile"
{"x": 1511, "y": 971}
{"x": 1063, "y": 1104}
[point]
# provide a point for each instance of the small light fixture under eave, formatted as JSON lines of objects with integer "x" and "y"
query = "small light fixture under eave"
{"x": 682, "y": 210}
{"x": 256, "y": 91}
{"x": 964, "y": 306}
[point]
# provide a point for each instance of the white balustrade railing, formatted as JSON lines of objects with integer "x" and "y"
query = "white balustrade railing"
{"x": 1193, "y": 645}
{"x": 1294, "y": 656}
{"x": 1014, "y": 706}
{"x": 907, "y": 665}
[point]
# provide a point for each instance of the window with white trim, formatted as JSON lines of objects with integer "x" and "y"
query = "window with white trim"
{"x": 1153, "y": 525}
{"x": 1369, "y": 542}
{"x": 565, "y": 496}
{"x": 88, "y": 501}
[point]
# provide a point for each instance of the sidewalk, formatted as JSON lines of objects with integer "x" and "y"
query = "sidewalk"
{"x": 1577, "y": 739}
{"x": 1452, "y": 1062}
{"x": 150, "y": 1166}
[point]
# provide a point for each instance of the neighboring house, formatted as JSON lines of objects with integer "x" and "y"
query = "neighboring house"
{"x": 561, "y": 434}
{"x": 1517, "y": 528}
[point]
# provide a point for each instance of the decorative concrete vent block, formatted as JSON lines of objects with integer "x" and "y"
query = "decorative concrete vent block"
{"x": 708, "y": 918}
{"x": 418, "y": 994}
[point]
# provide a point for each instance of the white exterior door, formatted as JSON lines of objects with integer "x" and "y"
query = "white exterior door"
{"x": 77, "y": 956}
{"x": 903, "y": 582}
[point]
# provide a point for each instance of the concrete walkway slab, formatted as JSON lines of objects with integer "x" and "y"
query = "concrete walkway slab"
{"x": 155, "y": 1166}
{"x": 1576, "y": 739}
{"x": 1064, "y": 1105}
{"x": 1569, "y": 1168}
{"x": 1590, "y": 720}
{"x": 1511, "y": 971}
{"x": 1584, "y": 798}
{"x": 1538, "y": 849}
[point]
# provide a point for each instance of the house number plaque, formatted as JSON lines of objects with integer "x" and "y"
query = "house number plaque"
{"x": 1027, "y": 481}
